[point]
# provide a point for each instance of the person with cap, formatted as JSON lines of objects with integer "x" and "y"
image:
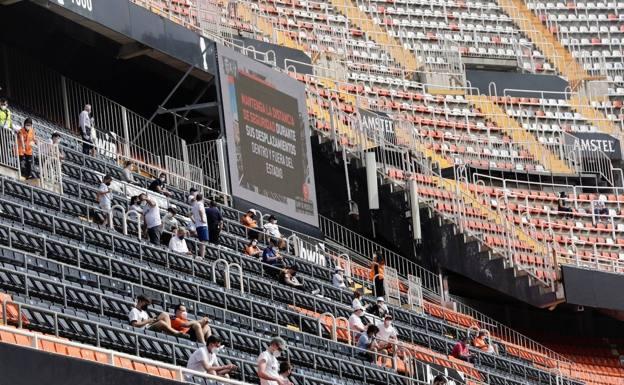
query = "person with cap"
{"x": 355, "y": 322}
{"x": 379, "y": 308}
{"x": 440, "y": 379}
{"x": 338, "y": 279}
{"x": 25, "y": 141}
{"x": 268, "y": 366}
{"x": 272, "y": 230}
{"x": 169, "y": 224}
{"x": 205, "y": 359}
{"x": 248, "y": 220}
{"x": 387, "y": 335}
{"x": 252, "y": 249}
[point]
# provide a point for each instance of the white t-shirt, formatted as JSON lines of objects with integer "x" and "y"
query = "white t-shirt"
{"x": 137, "y": 315}
{"x": 338, "y": 280}
{"x": 127, "y": 175}
{"x": 356, "y": 303}
{"x": 152, "y": 215}
{"x": 356, "y": 324}
{"x": 385, "y": 334}
{"x": 199, "y": 214}
{"x": 105, "y": 199}
{"x": 178, "y": 245}
{"x": 196, "y": 359}
{"x": 272, "y": 367}
{"x": 273, "y": 230}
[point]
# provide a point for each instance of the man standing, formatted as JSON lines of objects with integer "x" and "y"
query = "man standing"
{"x": 268, "y": 366}
{"x": 105, "y": 197}
{"x": 85, "y": 123}
{"x": 215, "y": 222}
{"x": 198, "y": 212}
{"x": 25, "y": 140}
{"x": 153, "y": 223}
{"x": 204, "y": 359}
{"x": 6, "y": 119}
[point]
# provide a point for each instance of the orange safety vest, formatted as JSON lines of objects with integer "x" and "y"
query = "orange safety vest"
{"x": 25, "y": 139}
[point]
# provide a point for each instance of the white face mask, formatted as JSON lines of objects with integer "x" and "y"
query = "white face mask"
{"x": 184, "y": 315}
{"x": 387, "y": 324}
{"x": 277, "y": 353}
{"x": 3, "y": 107}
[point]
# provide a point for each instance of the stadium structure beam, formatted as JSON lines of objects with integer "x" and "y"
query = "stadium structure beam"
{"x": 162, "y": 110}
{"x": 132, "y": 50}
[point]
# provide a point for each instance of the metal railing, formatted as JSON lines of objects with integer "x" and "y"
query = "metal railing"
{"x": 50, "y": 175}
{"x": 209, "y": 156}
{"x": 8, "y": 145}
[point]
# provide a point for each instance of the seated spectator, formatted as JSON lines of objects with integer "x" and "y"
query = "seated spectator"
{"x": 355, "y": 322}
{"x": 248, "y": 220}
{"x": 198, "y": 331}
{"x": 151, "y": 215}
{"x": 357, "y": 302}
{"x": 271, "y": 255}
{"x": 440, "y": 379}
{"x": 169, "y": 224}
{"x": 272, "y": 230}
{"x": 367, "y": 343}
{"x": 159, "y": 185}
{"x": 562, "y": 203}
{"x": 177, "y": 243}
{"x": 460, "y": 350}
{"x": 105, "y": 197}
{"x": 288, "y": 276}
{"x": 600, "y": 207}
{"x": 481, "y": 342}
{"x": 139, "y": 318}
{"x": 127, "y": 174}
{"x": 252, "y": 249}
{"x": 387, "y": 336}
{"x": 192, "y": 194}
{"x": 204, "y": 359}
{"x": 285, "y": 370}
{"x": 135, "y": 204}
{"x": 268, "y": 366}
{"x": 338, "y": 279}
{"x": 379, "y": 309}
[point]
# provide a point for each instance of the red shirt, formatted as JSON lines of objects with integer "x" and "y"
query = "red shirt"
{"x": 176, "y": 323}
{"x": 460, "y": 350}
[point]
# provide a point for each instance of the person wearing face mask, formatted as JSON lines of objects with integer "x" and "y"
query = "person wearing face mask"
{"x": 6, "y": 118}
{"x": 272, "y": 230}
{"x": 177, "y": 243}
{"x": 151, "y": 215}
{"x": 25, "y": 141}
{"x": 169, "y": 224}
{"x": 268, "y": 366}
{"x": 159, "y": 185}
{"x": 338, "y": 279}
{"x": 85, "y": 122}
{"x": 205, "y": 359}
{"x": 105, "y": 197}
{"x": 139, "y": 318}
{"x": 387, "y": 335}
{"x": 252, "y": 249}
{"x": 55, "y": 140}
{"x": 198, "y": 331}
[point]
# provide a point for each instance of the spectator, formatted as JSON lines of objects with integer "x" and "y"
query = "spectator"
{"x": 25, "y": 140}
{"x": 355, "y": 322}
{"x": 139, "y": 318}
{"x": 135, "y": 204}
{"x": 192, "y": 195}
{"x": 215, "y": 222}
{"x": 55, "y": 140}
{"x": 377, "y": 274}
{"x": 248, "y": 220}
{"x": 379, "y": 309}
{"x": 271, "y": 255}
{"x": 127, "y": 174}
{"x": 177, "y": 243}
{"x": 169, "y": 224}
{"x": 285, "y": 370}
{"x": 200, "y": 222}
{"x": 387, "y": 335}
{"x": 252, "y": 249}
{"x": 367, "y": 343}
{"x": 600, "y": 207}
{"x": 153, "y": 222}
{"x": 357, "y": 302}
{"x": 198, "y": 331}
{"x": 562, "y": 203}
{"x": 6, "y": 118}
{"x": 105, "y": 197}
{"x": 268, "y": 366}
{"x": 159, "y": 185}
{"x": 272, "y": 230}
{"x": 460, "y": 350}
{"x": 338, "y": 279}
{"x": 440, "y": 380}
{"x": 205, "y": 359}
{"x": 86, "y": 123}
{"x": 288, "y": 276}
{"x": 481, "y": 342}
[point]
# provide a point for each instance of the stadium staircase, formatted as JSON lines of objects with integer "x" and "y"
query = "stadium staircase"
{"x": 278, "y": 36}
{"x": 495, "y": 114}
{"x": 598, "y": 119}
